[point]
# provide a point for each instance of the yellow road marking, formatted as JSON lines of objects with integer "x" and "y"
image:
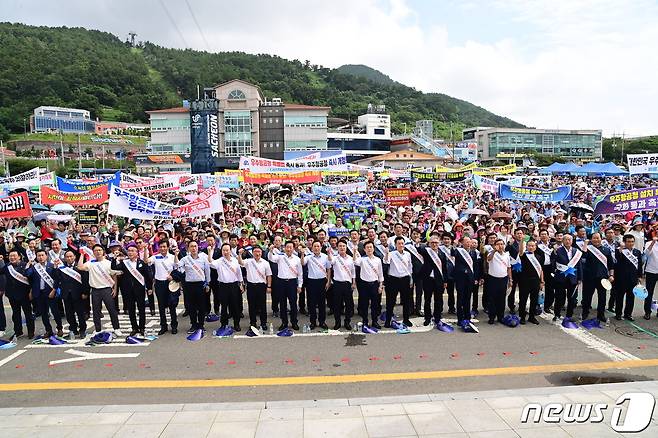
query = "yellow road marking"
{"x": 320, "y": 380}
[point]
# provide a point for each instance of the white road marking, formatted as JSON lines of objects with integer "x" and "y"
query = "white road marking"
{"x": 11, "y": 357}
{"x": 592, "y": 341}
{"x": 86, "y": 355}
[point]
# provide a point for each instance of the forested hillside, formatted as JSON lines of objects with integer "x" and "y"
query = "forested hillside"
{"x": 97, "y": 71}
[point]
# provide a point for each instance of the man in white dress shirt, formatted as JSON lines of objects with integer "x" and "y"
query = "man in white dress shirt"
{"x": 229, "y": 276}
{"x": 399, "y": 276}
{"x": 196, "y": 268}
{"x": 344, "y": 279}
{"x": 371, "y": 284}
{"x": 164, "y": 264}
{"x": 317, "y": 283}
{"x": 291, "y": 277}
{"x": 259, "y": 284}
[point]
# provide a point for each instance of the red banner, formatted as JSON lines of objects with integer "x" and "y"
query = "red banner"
{"x": 50, "y": 196}
{"x": 282, "y": 178}
{"x": 17, "y": 205}
{"x": 397, "y": 197}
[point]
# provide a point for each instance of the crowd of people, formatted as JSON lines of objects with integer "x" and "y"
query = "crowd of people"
{"x": 428, "y": 260}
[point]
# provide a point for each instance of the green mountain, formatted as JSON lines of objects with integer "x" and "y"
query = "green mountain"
{"x": 363, "y": 71}
{"x": 97, "y": 71}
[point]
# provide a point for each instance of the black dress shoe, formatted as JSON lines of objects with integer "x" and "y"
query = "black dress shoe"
{"x": 629, "y": 318}
{"x": 407, "y": 323}
{"x": 387, "y": 324}
{"x": 427, "y": 322}
{"x": 533, "y": 321}
{"x": 295, "y": 327}
{"x": 283, "y": 326}
{"x": 618, "y": 318}
{"x": 337, "y": 326}
{"x": 348, "y": 326}
{"x": 237, "y": 328}
{"x": 133, "y": 333}
{"x": 264, "y": 328}
{"x": 522, "y": 322}
{"x": 647, "y": 316}
{"x": 492, "y": 321}
{"x": 312, "y": 326}
{"x": 153, "y": 313}
{"x": 275, "y": 314}
{"x": 186, "y": 313}
{"x": 163, "y": 331}
{"x": 191, "y": 330}
{"x": 452, "y": 311}
{"x": 324, "y": 326}
{"x": 303, "y": 311}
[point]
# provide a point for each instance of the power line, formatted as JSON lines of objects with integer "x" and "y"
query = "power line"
{"x": 189, "y": 8}
{"x": 173, "y": 22}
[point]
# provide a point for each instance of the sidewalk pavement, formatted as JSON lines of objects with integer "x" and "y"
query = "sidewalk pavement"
{"x": 450, "y": 415}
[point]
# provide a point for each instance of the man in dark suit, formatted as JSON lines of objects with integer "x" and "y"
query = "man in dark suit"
{"x": 466, "y": 275}
{"x": 432, "y": 279}
{"x": 18, "y": 292}
{"x": 74, "y": 287}
{"x": 515, "y": 249}
{"x": 568, "y": 275}
{"x": 628, "y": 272}
{"x": 213, "y": 253}
{"x": 598, "y": 265}
{"x": 41, "y": 274}
{"x": 134, "y": 282}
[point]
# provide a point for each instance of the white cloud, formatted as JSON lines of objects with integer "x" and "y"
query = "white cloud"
{"x": 583, "y": 64}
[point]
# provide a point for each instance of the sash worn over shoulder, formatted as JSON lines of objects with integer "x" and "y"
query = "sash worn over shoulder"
{"x": 599, "y": 255}
{"x": 17, "y": 275}
{"x": 535, "y": 263}
{"x": 72, "y": 273}
{"x": 435, "y": 258}
{"x": 132, "y": 268}
{"x": 630, "y": 256}
{"x": 467, "y": 258}
{"x": 98, "y": 268}
{"x": 570, "y": 268}
{"x": 43, "y": 273}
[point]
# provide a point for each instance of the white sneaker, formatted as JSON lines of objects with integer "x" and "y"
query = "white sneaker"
{"x": 118, "y": 333}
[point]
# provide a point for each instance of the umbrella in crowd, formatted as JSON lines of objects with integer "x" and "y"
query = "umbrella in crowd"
{"x": 476, "y": 211}
{"x": 60, "y": 208}
{"x": 501, "y": 215}
{"x": 414, "y": 195}
{"x": 39, "y": 207}
{"x": 232, "y": 194}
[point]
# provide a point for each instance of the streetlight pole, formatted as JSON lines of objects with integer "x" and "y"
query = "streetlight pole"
{"x": 79, "y": 157}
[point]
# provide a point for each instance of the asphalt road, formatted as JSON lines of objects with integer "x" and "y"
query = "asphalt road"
{"x": 433, "y": 362}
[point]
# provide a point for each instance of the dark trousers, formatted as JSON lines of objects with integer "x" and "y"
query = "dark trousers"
{"x": 256, "y": 294}
{"x": 432, "y": 290}
{"x": 475, "y": 292}
{"x": 132, "y": 298}
{"x": 464, "y": 286}
{"x": 511, "y": 298}
{"x": 624, "y": 291}
{"x": 485, "y": 294}
{"x": 589, "y": 285}
{"x": 417, "y": 290}
{"x": 343, "y": 298}
{"x": 549, "y": 287}
{"x": 566, "y": 292}
{"x": 317, "y": 306}
{"x": 652, "y": 279}
{"x": 44, "y": 304}
{"x": 496, "y": 291}
{"x": 368, "y": 298}
{"x": 196, "y": 303}
{"x": 528, "y": 288}
{"x": 230, "y": 297}
{"x": 276, "y": 293}
{"x": 3, "y": 318}
{"x": 164, "y": 303}
{"x": 329, "y": 294}
{"x": 75, "y": 314}
{"x": 613, "y": 297}
{"x": 214, "y": 293}
{"x": 98, "y": 298}
{"x": 398, "y": 285}
{"x": 151, "y": 300}
{"x": 16, "y": 307}
{"x": 302, "y": 295}
{"x": 288, "y": 295}
{"x": 450, "y": 290}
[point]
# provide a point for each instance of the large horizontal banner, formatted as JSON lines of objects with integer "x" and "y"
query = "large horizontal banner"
{"x": 335, "y": 189}
{"x": 435, "y": 177}
{"x": 50, "y": 196}
{"x": 491, "y": 185}
{"x": 397, "y": 197}
{"x": 68, "y": 185}
{"x": 22, "y": 180}
{"x": 642, "y": 163}
{"x": 631, "y": 200}
{"x": 17, "y": 205}
{"x": 534, "y": 194}
{"x": 135, "y": 206}
{"x": 462, "y": 169}
{"x": 264, "y": 165}
{"x": 279, "y": 178}
{"x": 499, "y": 170}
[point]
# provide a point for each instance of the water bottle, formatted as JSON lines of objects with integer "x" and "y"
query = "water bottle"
{"x": 271, "y": 329}
{"x": 540, "y": 300}
{"x": 359, "y": 326}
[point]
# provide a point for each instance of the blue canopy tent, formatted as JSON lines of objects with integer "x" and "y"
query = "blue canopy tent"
{"x": 560, "y": 168}
{"x": 602, "y": 169}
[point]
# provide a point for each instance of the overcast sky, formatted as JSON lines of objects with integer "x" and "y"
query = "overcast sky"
{"x": 569, "y": 64}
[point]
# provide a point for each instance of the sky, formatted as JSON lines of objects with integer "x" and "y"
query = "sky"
{"x": 556, "y": 64}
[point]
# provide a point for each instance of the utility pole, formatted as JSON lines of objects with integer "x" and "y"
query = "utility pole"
{"x": 103, "y": 152}
{"x": 61, "y": 145}
{"x": 79, "y": 157}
